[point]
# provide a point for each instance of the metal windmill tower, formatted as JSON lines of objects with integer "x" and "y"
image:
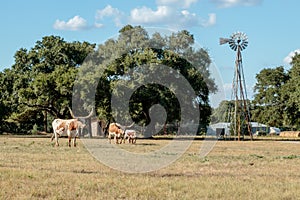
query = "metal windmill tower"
{"x": 240, "y": 118}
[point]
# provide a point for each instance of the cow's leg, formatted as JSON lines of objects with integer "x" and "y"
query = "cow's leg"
{"x": 76, "y": 135}
{"x": 56, "y": 139}
{"x": 79, "y": 132}
{"x": 109, "y": 138}
{"x": 52, "y": 137}
{"x": 69, "y": 138}
{"x": 124, "y": 138}
{"x": 119, "y": 139}
{"x": 115, "y": 139}
{"x": 128, "y": 139}
{"x": 69, "y": 141}
{"x": 75, "y": 141}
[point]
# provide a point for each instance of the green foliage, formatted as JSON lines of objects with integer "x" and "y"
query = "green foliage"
{"x": 291, "y": 95}
{"x": 277, "y": 101}
{"x": 222, "y": 112}
{"x": 34, "y": 130}
{"x": 135, "y": 48}
{"x": 39, "y": 85}
{"x": 268, "y": 105}
{"x": 41, "y": 79}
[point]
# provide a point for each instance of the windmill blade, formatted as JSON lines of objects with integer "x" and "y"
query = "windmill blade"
{"x": 232, "y": 44}
{"x": 244, "y": 45}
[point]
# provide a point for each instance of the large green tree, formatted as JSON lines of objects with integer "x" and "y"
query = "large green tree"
{"x": 276, "y": 102}
{"x": 6, "y": 91}
{"x": 40, "y": 81}
{"x": 291, "y": 95}
{"x": 135, "y": 48}
{"x": 268, "y": 104}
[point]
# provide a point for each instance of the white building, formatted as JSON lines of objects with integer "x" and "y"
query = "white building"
{"x": 223, "y": 128}
{"x": 217, "y": 129}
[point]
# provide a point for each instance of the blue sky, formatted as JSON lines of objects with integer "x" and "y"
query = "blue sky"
{"x": 272, "y": 27}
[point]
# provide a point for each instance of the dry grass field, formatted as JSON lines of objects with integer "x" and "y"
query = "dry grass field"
{"x": 32, "y": 168}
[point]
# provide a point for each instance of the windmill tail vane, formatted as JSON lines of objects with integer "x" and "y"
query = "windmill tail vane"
{"x": 224, "y": 41}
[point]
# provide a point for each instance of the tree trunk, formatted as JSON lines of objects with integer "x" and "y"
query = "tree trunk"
{"x": 89, "y": 127}
{"x": 45, "y": 121}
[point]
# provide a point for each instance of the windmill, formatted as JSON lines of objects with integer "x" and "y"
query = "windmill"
{"x": 240, "y": 118}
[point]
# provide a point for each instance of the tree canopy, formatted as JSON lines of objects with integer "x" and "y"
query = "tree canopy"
{"x": 40, "y": 84}
{"x": 130, "y": 52}
{"x": 44, "y": 80}
{"x": 276, "y": 102}
{"x": 268, "y": 99}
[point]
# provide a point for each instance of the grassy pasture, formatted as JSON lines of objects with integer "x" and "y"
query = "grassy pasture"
{"x": 32, "y": 168}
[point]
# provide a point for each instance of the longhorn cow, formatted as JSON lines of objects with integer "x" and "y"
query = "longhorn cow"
{"x": 116, "y": 131}
{"x": 70, "y": 127}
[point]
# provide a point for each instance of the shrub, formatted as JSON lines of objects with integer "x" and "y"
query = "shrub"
{"x": 34, "y": 130}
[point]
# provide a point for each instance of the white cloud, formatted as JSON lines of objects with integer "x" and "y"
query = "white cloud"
{"x": 187, "y": 17}
{"x": 232, "y": 3}
{"x": 146, "y": 15}
{"x": 227, "y": 86}
{"x": 98, "y": 25}
{"x": 170, "y": 13}
{"x": 74, "y": 24}
{"x": 178, "y": 3}
{"x": 170, "y": 17}
{"x": 288, "y": 59}
{"x": 212, "y": 20}
{"x": 174, "y": 14}
{"x": 109, "y": 11}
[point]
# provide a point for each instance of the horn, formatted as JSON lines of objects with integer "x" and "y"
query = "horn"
{"x": 85, "y": 117}
{"x": 124, "y": 127}
{"x": 130, "y": 125}
{"x": 71, "y": 112}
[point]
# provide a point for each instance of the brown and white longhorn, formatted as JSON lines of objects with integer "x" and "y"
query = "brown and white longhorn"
{"x": 69, "y": 127}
